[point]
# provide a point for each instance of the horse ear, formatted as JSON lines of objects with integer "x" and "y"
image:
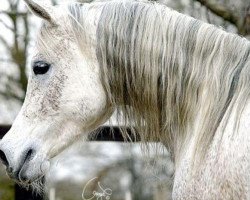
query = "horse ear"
{"x": 40, "y": 10}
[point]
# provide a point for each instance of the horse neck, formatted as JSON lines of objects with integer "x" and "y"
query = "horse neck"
{"x": 222, "y": 94}
{"x": 179, "y": 75}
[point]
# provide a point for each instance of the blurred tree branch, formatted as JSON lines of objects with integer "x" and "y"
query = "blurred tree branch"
{"x": 5, "y": 25}
{"x": 14, "y": 13}
{"x": 6, "y": 60}
{"x": 220, "y": 10}
{"x": 4, "y": 42}
{"x": 241, "y": 21}
{"x": 17, "y": 50}
{"x": 10, "y": 95}
{"x": 245, "y": 29}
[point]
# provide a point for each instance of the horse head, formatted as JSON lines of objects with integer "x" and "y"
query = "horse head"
{"x": 65, "y": 98}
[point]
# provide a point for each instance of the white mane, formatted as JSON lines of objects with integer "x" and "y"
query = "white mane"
{"x": 173, "y": 75}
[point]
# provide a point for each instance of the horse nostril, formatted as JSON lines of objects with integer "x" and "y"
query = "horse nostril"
{"x": 3, "y": 158}
{"x": 9, "y": 170}
{"x": 29, "y": 155}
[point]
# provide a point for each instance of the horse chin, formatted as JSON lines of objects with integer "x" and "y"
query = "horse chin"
{"x": 35, "y": 185}
{"x": 34, "y": 174}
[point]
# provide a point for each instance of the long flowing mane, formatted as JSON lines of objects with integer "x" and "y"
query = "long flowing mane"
{"x": 170, "y": 75}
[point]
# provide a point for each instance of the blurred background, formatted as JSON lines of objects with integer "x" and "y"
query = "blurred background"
{"x": 118, "y": 171}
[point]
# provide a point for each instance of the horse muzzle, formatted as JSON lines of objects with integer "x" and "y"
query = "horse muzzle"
{"x": 24, "y": 166}
{"x": 16, "y": 172}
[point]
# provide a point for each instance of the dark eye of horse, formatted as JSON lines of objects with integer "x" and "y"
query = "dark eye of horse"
{"x": 40, "y": 67}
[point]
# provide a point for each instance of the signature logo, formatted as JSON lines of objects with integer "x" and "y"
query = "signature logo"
{"x": 101, "y": 194}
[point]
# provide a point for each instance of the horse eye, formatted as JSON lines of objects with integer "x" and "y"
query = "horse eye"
{"x": 40, "y": 67}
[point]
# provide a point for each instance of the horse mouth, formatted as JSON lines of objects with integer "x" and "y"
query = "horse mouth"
{"x": 31, "y": 182}
{"x": 35, "y": 185}
{"x": 21, "y": 179}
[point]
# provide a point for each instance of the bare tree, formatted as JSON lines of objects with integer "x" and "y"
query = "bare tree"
{"x": 17, "y": 50}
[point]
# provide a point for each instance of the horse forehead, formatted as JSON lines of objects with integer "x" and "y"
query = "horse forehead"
{"x": 51, "y": 31}
{"x": 55, "y": 42}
